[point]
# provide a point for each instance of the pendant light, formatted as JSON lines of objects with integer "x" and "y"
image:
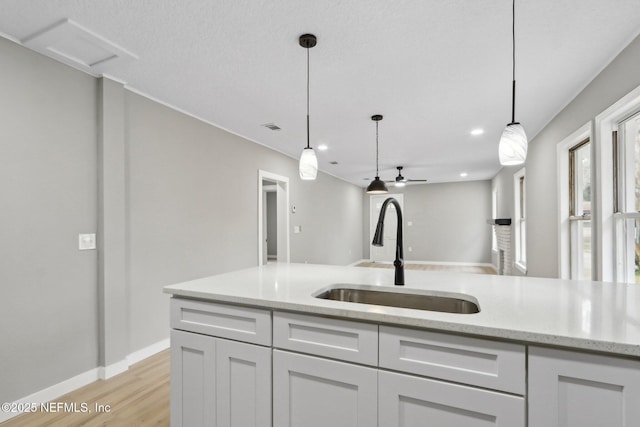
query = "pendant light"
{"x": 513, "y": 143}
{"x": 308, "y": 167}
{"x": 377, "y": 186}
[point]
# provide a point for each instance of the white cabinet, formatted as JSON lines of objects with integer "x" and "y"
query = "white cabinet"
{"x": 314, "y": 392}
{"x": 321, "y": 336}
{"x": 217, "y": 382}
{"x": 193, "y": 377}
{"x": 474, "y": 361}
{"x": 573, "y": 389}
{"x": 232, "y": 366}
{"x": 243, "y": 384}
{"x": 409, "y": 401}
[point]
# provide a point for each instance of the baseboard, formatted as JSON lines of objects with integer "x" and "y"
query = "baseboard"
{"x": 106, "y": 372}
{"x": 149, "y": 351}
{"x": 353, "y": 264}
{"x": 53, "y": 392}
{"x": 100, "y": 373}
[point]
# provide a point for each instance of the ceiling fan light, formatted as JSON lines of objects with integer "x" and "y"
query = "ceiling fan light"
{"x": 377, "y": 186}
{"x": 513, "y": 145}
{"x": 308, "y": 167}
{"x": 400, "y": 183}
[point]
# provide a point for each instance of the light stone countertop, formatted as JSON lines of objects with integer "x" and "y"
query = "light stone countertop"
{"x": 595, "y": 316}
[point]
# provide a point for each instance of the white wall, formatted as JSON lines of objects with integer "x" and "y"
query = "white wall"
{"x": 616, "y": 80}
{"x": 449, "y": 222}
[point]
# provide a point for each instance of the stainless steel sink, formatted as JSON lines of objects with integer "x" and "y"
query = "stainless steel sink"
{"x": 425, "y": 300}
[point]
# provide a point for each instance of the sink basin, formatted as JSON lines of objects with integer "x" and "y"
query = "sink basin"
{"x": 420, "y": 300}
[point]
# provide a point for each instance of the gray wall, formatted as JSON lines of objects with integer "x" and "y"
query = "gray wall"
{"x": 620, "y": 77}
{"x": 48, "y": 188}
{"x": 449, "y": 222}
{"x": 187, "y": 220}
{"x": 183, "y": 217}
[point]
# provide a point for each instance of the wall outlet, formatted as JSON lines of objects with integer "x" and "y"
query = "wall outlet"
{"x": 297, "y": 229}
{"x": 86, "y": 241}
{"x": 409, "y": 223}
{"x": 410, "y": 249}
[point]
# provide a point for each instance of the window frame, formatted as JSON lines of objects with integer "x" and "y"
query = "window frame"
{"x": 624, "y": 232}
{"x": 520, "y": 223}
{"x": 606, "y": 226}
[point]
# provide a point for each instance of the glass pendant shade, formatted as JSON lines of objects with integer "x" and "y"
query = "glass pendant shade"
{"x": 308, "y": 167}
{"x": 513, "y": 145}
{"x": 377, "y": 186}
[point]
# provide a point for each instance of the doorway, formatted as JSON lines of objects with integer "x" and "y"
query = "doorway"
{"x": 386, "y": 253}
{"x": 273, "y": 216}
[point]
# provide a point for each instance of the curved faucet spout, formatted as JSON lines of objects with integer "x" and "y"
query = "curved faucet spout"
{"x": 377, "y": 238}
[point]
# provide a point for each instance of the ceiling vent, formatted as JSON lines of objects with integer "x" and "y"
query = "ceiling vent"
{"x": 74, "y": 45}
{"x": 271, "y": 126}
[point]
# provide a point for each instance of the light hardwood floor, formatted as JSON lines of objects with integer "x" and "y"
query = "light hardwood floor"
{"x": 433, "y": 267}
{"x": 137, "y": 397}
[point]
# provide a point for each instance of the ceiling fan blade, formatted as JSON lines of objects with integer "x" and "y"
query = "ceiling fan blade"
{"x": 416, "y": 180}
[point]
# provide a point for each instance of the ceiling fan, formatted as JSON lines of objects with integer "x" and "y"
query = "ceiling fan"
{"x": 401, "y": 181}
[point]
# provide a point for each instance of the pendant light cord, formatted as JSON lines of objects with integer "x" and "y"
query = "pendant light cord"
{"x": 308, "y": 146}
{"x": 513, "y": 61}
{"x": 377, "y": 149}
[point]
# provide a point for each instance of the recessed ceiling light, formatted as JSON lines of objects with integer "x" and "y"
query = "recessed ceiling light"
{"x": 333, "y": 162}
{"x": 463, "y": 174}
{"x": 322, "y": 147}
{"x": 477, "y": 132}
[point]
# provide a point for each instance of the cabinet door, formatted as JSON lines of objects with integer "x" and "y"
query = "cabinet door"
{"x": 408, "y": 401}
{"x": 192, "y": 380}
{"x": 243, "y": 387}
{"x": 572, "y": 389}
{"x": 313, "y": 392}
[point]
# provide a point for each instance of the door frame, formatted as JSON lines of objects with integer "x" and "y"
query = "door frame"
{"x": 282, "y": 197}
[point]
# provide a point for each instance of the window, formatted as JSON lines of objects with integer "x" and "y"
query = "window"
{"x": 575, "y": 205}
{"x": 614, "y": 211}
{"x": 520, "y": 222}
{"x": 626, "y": 195}
{"x": 580, "y": 229}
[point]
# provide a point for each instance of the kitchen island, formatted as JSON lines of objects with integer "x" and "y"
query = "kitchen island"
{"x": 256, "y": 347}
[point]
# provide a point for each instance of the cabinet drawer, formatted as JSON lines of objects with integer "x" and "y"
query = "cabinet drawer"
{"x": 408, "y": 401}
{"x": 221, "y": 320}
{"x": 491, "y": 364}
{"x": 338, "y": 339}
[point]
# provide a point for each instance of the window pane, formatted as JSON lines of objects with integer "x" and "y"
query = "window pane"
{"x": 581, "y": 250}
{"x": 581, "y": 179}
{"x": 628, "y": 250}
{"x": 629, "y": 165}
{"x": 634, "y": 134}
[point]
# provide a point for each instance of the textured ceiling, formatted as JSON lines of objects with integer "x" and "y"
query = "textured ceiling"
{"x": 436, "y": 69}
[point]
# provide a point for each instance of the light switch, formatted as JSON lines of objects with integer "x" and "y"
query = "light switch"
{"x": 409, "y": 223}
{"x": 297, "y": 229}
{"x": 86, "y": 241}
